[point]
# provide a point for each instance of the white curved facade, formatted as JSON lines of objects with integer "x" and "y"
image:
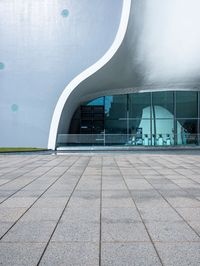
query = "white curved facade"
{"x": 89, "y": 72}
{"x": 56, "y": 56}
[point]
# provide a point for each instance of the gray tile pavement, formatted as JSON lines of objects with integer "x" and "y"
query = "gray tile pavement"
{"x": 100, "y": 209}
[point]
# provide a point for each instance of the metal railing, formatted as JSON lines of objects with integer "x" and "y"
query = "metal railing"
{"x": 104, "y": 139}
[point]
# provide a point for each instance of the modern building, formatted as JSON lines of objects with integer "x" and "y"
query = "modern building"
{"x": 102, "y": 72}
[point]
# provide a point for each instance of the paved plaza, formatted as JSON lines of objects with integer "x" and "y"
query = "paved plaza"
{"x": 100, "y": 209}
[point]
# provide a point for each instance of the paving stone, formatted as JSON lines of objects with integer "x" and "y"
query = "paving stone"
{"x": 138, "y": 184}
{"x": 71, "y": 254}
{"x": 172, "y": 193}
{"x": 4, "y": 227}
{"x": 171, "y": 231}
{"x": 123, "y": 231}
{"x": 50, "y": 202}
{"x": 149, "y": 199}
{"x": 20, "y": 254}
{"x": 174, "y": 176}
{"x": 160, "y": 181}
{"x": 89, "y": 214}
{"x": 32, "y": 231}
{"x": 148, "y": 172}
{"x": 176, "y": 254}
{"x": 73, "y": 231}
{"x": 42, "y": 214}
{"x": 190, "y": 214}
{"x": 6, "y": 193}
{"x": 17, "y": 202}
{"x": 55, "y": 192}
{"x": 166, "y": 186}
{"x": 113, "y": 185}
{"x": 10, "y": 214}
{"x": 3, "y": 181}
{"x": 157, "y": 182}
{"x": 120, "y": 215}
{"x": 113, "y": 198}
{"x": 129, "y": 254}
{"x": 195, "y": 225}
{"x": 183, "y": 202}
{"x": 131, "y": 177}
{"x": 85, "y": 199}
{"x": 167, "y": 172}
{"x": 159, "y": 214}
{"x": 145, "y": 194}
{"x": 29, "y": 192}
{"x": 195, "y": 192}
{"x": 89, "y": 185}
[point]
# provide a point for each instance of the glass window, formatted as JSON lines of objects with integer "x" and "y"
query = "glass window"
{"x": 163, "y": 132}
{"x": 186, "y": 131}
{"x": 132, "y": 119}
{"x": 142, "y": 125}
{"x": 116, "y": 139}
{"x": 163, "y": 103}
{"x": 139, "y": 105}
{"x": 98, "y": 101}
{"x": 116, "y": 107}
{"x": 115, "y": 126}
{"x": 186, "y": 104}
{"x": 75, "y": 127}
{"x": 139, "y": 132}
{"x": 108, "y": 102}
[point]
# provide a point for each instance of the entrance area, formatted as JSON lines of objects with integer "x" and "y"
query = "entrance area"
{"x": 164, "y": 118}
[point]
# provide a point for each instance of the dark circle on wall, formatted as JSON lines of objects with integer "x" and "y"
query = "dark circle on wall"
{"x": 65, "y": 13}
{"x": 14, "y": 107}
{"x": 2, "y": 66}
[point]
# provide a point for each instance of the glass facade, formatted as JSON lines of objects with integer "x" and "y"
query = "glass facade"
{"x": 150, "y": 119}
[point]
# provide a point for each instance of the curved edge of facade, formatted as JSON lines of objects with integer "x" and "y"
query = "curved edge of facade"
{"x": 88, "y": 72}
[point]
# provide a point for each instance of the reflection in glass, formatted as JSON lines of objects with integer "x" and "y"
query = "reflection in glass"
{"x": 139, "y": 111}
{"x": 135, "y": 119}
{"x": 187, "y": 131}
{"x": 139, "y": 132}
{"x": 165, "y": 100}
{"x": 164, "y": 132}
{"x": 137, "y": 103}
{"x": 186, "y": 104}
{"x": 108, "y": 102}
{"x": 98, "y": 101}
{"x": 162, "y": 118}
{"x": 115, "y": 126}
{"x": 162, "y": 126}
{"x": 116, "y": 107}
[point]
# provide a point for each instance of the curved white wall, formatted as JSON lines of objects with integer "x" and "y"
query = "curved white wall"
{"x": 42, "y": 51}
{"x": 87, "y": 73}
{"x": 156, "y": 48}
{"x": 146, "y": 59}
